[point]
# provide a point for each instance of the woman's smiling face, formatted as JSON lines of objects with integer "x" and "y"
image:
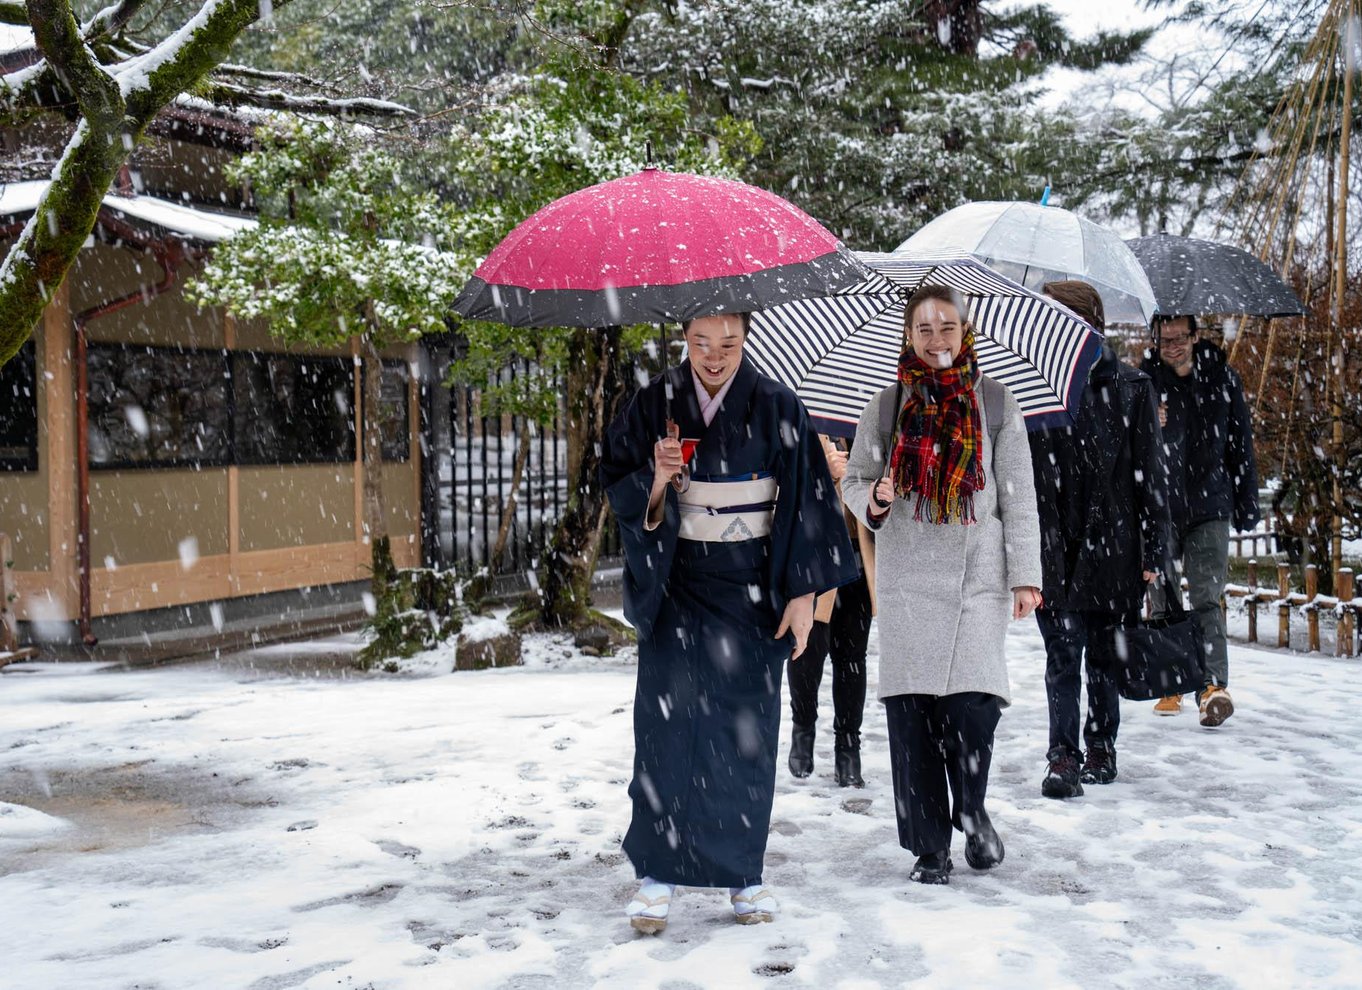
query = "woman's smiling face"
{"x": 936, "y": 333}
{"x": 714, "y": 344}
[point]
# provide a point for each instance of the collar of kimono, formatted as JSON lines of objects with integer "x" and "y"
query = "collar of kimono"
{"x": 686, "y": 404}
{"x": 709, "y": 404}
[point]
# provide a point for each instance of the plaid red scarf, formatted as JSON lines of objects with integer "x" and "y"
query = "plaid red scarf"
{"x": 939, "y": 453}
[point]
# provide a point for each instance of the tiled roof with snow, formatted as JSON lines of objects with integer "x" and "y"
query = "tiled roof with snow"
{"x": 190, "y": 222}
{"x": 15, "y": 38}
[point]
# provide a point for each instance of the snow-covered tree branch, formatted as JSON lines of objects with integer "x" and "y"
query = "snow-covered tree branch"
{"x": 113, "y": 86}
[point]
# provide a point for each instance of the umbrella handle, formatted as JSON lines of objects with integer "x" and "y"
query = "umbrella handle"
{"x": 680, "y": 480}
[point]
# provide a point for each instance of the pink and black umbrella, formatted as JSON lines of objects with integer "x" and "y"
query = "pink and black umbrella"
{"x": 656, "y": 247}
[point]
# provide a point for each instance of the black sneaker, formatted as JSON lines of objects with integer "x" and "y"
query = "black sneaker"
{"x": 1100, "y": 765}
{"x": 932, "y": 868}
{"x": 1061, "y": 779}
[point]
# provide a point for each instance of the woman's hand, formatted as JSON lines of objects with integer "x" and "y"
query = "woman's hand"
{"x": 881, "y": 498}
{"x": 837, "y": 461}
{"x": 1025, "y": 601}
{"x": 798, "y": 619}
{"x": 667, "y": 463}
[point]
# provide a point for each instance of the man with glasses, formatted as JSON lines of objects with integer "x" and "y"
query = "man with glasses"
{"x": 1212, "y": 482}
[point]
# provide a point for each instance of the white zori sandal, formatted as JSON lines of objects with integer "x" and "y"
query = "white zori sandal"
{"x": 753, "y": 905}
{"x": 647, "y": 912}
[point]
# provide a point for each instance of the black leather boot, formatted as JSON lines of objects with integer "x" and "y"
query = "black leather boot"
{"x": 801, "y": 750}
{"x": 847, "y": 762}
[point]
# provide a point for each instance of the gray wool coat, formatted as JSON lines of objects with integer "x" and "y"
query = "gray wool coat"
{"x": 945, "y": 591}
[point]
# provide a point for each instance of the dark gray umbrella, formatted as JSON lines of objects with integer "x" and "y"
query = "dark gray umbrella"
{"x": 1191, "y": 277}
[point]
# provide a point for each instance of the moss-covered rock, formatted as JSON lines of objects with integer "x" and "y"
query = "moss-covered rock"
{"x": 502, "y": 650}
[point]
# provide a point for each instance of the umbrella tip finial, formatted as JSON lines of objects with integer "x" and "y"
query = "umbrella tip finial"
{"x": 1045, "y": 196}
{"x": 648, "y": 154}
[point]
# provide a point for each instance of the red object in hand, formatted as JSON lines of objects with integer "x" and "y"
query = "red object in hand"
{"x": 688, "y": 450}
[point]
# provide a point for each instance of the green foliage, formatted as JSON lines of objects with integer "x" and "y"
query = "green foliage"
{"x": 343, "y": 247}
{"x": 1166, "y": 172}
{"x": 869, "y": 119}
{"x": 424, "y": 54}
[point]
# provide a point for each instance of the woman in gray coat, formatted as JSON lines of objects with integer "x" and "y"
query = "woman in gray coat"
{"x": 941, "y": 471}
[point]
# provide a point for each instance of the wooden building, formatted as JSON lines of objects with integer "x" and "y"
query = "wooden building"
{"x": 219, "y": 465}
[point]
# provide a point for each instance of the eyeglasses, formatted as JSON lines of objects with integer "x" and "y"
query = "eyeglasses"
{"x": 1175, "y": 341}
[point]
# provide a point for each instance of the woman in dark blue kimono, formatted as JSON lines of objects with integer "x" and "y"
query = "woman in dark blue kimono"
{"x": 719, "y": 582}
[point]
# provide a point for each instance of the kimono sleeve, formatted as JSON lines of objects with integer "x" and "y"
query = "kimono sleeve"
{"x": 627, "y": 476}
{"x": 810, "y": 548}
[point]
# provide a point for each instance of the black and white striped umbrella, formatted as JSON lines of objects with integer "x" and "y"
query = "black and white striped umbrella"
{"x": 837, "y": 351}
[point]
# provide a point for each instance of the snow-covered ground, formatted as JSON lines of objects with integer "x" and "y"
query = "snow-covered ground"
{"x": 272, "y": 821}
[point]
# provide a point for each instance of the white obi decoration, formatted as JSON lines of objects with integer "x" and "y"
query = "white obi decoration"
{"x": 728, "y": 510}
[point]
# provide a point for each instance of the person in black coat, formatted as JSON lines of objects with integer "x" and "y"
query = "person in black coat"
{"x": 1213, "y": 484}
{"x": 1102, "y": 491}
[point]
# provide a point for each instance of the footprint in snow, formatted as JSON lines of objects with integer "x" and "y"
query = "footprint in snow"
{"x": 398, "y": 849}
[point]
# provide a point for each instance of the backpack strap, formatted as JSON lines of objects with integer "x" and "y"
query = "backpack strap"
{"x": 993, "y": 407}
{"x": 889, "y": 414}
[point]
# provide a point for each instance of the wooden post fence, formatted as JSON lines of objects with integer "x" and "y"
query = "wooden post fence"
{"x": 1347, "y": 615}
{"x": 1344, "y": 606}
{"x": 1283, "y": 605}
{"x": 1311, "y": 613}
{"x": 1252, "y": 601}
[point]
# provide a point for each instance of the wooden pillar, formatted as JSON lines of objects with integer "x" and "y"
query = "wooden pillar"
{"x": 1252, "y": 601}
{"x": 1312, "y": 615}
{"x": 9, "y": 630}
{"x": 363, "y": 555}
{"x": 1284, "y": 608}
{"x": 59, "y": 388}
{"x": 1347, "y": 618}
{"x": 233, "y": 485}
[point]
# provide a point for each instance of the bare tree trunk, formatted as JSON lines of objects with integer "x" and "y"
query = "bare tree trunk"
{"x": 595, "y": 392}
{"x": 522, "y": 457}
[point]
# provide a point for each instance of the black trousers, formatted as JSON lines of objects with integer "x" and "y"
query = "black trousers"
{"x": 844, "y": 637}
{"x": 936, "y": 742}
{"x": 1066, "y": 636}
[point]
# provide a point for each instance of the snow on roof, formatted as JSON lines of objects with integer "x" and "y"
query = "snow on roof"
{"x": 192, "y": 222}
{"x": 14, "y": 38}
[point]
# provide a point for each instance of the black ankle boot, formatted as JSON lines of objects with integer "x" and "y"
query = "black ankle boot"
{"x": 933, "y": 868}
{"x": 847, "y": 762}
{"x": 801, "y": 751}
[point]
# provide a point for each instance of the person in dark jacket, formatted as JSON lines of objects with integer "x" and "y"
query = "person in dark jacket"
{"x": 1213, "y": 484}
{"x": 1102, "y": 491}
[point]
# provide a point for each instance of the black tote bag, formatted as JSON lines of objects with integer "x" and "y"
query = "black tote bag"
{"x": 1154, "y": 658}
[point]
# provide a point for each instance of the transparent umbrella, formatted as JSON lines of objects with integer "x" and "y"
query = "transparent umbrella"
{"x": 1034, "y": 244}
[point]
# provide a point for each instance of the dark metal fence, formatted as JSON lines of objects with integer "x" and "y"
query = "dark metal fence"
{"x": 470, "y": 466}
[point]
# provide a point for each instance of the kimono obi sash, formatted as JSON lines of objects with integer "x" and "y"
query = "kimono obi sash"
{"x": 727, "y": 509}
